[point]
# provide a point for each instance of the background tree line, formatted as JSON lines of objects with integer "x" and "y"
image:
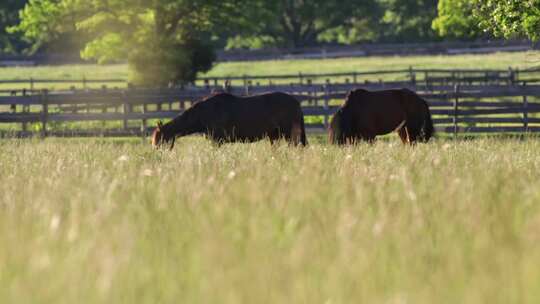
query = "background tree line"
{"x": 169, "y": 41}
{"x": 259, "y": 23}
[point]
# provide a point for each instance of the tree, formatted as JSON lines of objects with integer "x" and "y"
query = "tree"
{"x": 164, "y": 41}
{"x": 408, "y": 20}
{"x": 510, "y": 18}
{"x": 9, "y": 16}
{"x": 297, "y": 23}
{"x": 456, "y": 20}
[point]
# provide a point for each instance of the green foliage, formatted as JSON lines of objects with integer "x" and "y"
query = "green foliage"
{"x": 509, "y": 19}
{"x": 9, "y": 16}
{"x": 250, "y": 42}
{"x": 164, "y": 41}
{"x": 354, "y": 31}
{"x": 296, "y": 23}
{"x": 456, "y": 19}
{"x": 408, "y": 20}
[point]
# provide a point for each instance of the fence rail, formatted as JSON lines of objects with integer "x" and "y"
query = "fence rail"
{"x": 317, "y": 52}
{"x": 513, "y": 108}
{"x": 427, "y": 78}
{"x": 364, "y": 50}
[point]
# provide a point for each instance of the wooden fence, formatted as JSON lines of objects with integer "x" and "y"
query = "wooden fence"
{"x": 458, "y": 108}
{"x": 422, "y": 78}
{"x": 377, "y": 49}
{"x": 316, "y": 52}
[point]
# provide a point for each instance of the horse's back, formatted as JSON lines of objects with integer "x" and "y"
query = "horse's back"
{"x": 376, "y": 112}
{"x": 253, "y": 117}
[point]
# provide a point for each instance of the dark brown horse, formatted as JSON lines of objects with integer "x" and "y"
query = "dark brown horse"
{"x": 228, "y": 118}
{"x": 365, "y": 114}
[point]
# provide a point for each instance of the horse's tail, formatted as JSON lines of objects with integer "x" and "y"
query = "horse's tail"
{"x": 427, "y": 126}
{"x": 298, "y": 131}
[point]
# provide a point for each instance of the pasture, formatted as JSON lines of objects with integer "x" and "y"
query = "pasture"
{"x": 113, "y": 221}
{"x": 519, "y": 60}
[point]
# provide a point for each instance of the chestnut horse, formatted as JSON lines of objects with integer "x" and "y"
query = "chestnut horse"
{"x": 365, "y": 114}
{"x": 228, "y": 118}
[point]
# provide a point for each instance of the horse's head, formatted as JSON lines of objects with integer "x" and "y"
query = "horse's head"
{"x": 161, "y": 137}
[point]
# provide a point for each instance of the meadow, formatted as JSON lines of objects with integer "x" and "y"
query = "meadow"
{"x": 518, "y": 60}
{"x": 113, "y": 221}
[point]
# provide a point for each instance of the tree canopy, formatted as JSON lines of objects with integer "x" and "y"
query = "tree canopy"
{"x": 9, "y": 16}
{"x": 164, "y": 41}
{"x": 408, "y": 20}
{"x": 297, "y": 23}
{"x": 170, "y": 41}
{"x": 509, "y": 19}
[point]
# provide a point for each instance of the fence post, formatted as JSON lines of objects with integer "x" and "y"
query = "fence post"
{"x": 125, "y": 110}
{"x": 525, "y": 110}
{"x": 326, "y": 102}
{"x": 511, "y": 76}
{"x": 247, "y": 87}
{"x": 456, "y": 109}
{"x": 25, "y": 109}
{"x": 44, "y": 112}
{"x": 227, "y": 86}
{"x": 144, "y": 122}
{"x": 310, "y": 91}
{"x": 354, "y": 76}
{"x": 412, "y": 76}
{"x": 244, "y": 78}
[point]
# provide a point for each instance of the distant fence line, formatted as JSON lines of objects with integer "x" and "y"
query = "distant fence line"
{"x": 377, "y": 49}
{"x": 416, "y": 76}
{"x": 317, "y": 52}
{"x": 455, "y": 108}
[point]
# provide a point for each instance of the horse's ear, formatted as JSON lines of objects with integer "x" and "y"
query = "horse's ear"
{"x": 159, "y": 125}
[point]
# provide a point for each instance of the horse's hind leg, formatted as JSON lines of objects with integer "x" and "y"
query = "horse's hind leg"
{"x": 408, "y": 135}
{"x": 295, "y": 134}
{"x": 404, "y": 135}
{"x": 412, "y": 134}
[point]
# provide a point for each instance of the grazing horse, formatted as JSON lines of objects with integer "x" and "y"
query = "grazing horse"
{"x": 365, "y": 114}
{"x": 228, "y": 118}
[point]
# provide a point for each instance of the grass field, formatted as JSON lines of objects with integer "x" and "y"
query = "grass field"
{"x": 77, "y": 72}
{"x": 101, "y": 221}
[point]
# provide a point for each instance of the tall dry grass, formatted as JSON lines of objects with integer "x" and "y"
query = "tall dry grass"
{"x": 96, "y": 221}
